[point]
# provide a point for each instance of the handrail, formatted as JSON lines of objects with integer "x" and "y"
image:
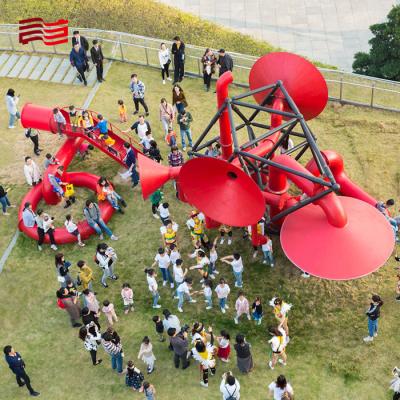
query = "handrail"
{"x": 343, "y": 86}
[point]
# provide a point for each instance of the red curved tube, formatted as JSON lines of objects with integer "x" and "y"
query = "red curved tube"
{"x": 224, "y": 124}
{"x": 347, "y": 186}
{"x": 61, "y": 235}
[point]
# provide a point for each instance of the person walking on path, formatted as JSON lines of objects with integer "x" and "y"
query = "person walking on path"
{"x": 96, "y": 54}
{"x": 373, "y": 313}
{"x": 79, "y": 60}
{"x": 114, "y": 350}
{"x": 81, "y": 40}
{"x": 243, "y": 354}
{"x": 178, "y": 50}
{"x": 138, "y": 89}
{"x": 165, "y": 61}
{"x": 17, "y": 366}
{"x": 93, "y": 218}
{"x": 225, "y": 62}
{"x": 11, "y": 104}
{"x": 90, "y": 341}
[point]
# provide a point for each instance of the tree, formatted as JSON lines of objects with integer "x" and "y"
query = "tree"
{"x": 383, "y": 60}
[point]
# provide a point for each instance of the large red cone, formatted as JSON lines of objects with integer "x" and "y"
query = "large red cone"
{"x": 359, "y": 248}
{"x": 153, "y": 175}
{"x": 304, "y": 83}
{"x": 222, "y": 191}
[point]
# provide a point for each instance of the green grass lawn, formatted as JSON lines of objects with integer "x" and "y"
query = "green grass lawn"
{"x": 326, "y": 357}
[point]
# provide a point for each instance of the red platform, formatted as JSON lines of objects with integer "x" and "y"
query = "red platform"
{"x": 322, "y": 250}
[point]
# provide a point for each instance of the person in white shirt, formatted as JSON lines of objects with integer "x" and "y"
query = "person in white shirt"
{"x": 237, "y": 267}
{"x": 214, "y": 258}
{"x": 145, "y": 142}
{"x": 174, "y": 254}
{"x": 171, "y": 321}
{"x": 165, "y": 60}
{"x": 184, "y": 291}
{"x": 11, "y": 103}
{"x": 222, "y": 291}
{"x": 203, "y": 266}
{"x": 72, "y": 228}
{"x": 229, "y": 387}
{"x": 208, "y": 294}
{"x": 278, "y": 345}
{"x": 163, "y": 261}
{"x": 153, "y": 286}
{"x": 268, "y": 253}
{"x": 32, "y": 172}
{"x": 281, "y": 389}
{"x": 179, "y": 274}
{"x": 163, "y": 210}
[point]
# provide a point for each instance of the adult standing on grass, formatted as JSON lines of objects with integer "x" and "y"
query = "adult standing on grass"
{"x": 138, "y": 89}
{"x": 373, "y": 313}
{"x": 114, "y": 350}
{"x": 179, "y": 98}
{"x": 235, "y": 260}
{"x": 4, "y": 200}
{"x": 281, "y": 389}
{"x": 32, "y": 172}
{"x": 167, "y": 115}
{"x": 225, "y": 62}
{"x": 243, "y": 354}
{"x": 45, "y": 226}
{"x": 179, "y": 344}
{"x": 184, "y": 120}
{"x": 69, "y": 302}
{"x": 278, "y": 346}
{"x": 79, "y": 60}
{"x": 130, "y": 162}
{"x": 11, "y": 103}
{"x": 106, "y": 259}
{"x": 93, "y": 218}
{"x": 178, "y": 50}
{"x": 165, "y": 61}
{"x": 208, "y": 60}
{"x": 141, "y": 127}
{"x": 17, "y": 366}
{"x": 33, "y": 134}
{"x": 62, "y": 268}
{"x": 90, "y": 341}
{"x": 96, "y": 54}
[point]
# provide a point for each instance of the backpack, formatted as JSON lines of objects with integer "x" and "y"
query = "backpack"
{"x": 231, "y": 395}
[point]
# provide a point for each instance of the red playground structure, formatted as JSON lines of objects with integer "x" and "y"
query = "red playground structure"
{"x": 329, "y": 227}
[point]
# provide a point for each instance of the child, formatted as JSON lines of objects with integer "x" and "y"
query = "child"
{"x": 86, "y": 122}
{"x": 50, "y": 160}
{"x": 183, "y": 291}
{"x": 153, "y": 286}
{"x": 149, "y": 390}
{"x": 373, "y": 314}
{"x": 163, "y": 210}
{"x": 174, "y": 254}
{"x": 237, "y": 267}
{"x": 242, "y": 307}
{"x": 122, "y": 111}
{"x": 224, "y": 346}
{"x": 134, "y": 377}
{"x": 208, "y": 294}
{"x": 179, "y": 274}
{"x": 223, "y": 291}
{"x": 203, "y": 263}
{"x": 154, "y": 152}
{"x": 225, "y": 229}
{"x": 171, "y": 137}
{"x": 163, "y": 261}
{"x": 169, "y": 233}
{"x": 159, "y": 328}
{"x": 59, "y": 121}
{"x": 109, "y": 312}
{"x": 73, "y": 117}
{"x": 127, "y": 297}
{"x": 278, "y": 344}
{"x": 72, "y": 228}
{"x": 213, "y": 258}
{"x": 257, "y": 311}
{"x": 146, "y": 354}
{"x": 146, "y": 141}
{"x": 267, "y": 252}
{"x": 155, "y": 199}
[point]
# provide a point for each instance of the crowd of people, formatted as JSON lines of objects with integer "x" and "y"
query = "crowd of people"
{"x": 78, "y": 296}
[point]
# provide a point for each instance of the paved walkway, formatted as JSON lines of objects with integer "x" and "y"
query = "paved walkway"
{"x": 330, "y": 31}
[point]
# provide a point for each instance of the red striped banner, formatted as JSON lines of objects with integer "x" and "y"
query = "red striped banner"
{"x": 50, "y": 33}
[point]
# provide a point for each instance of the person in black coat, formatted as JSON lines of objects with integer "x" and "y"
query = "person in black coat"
{"x": 78, "y": 60}
{"x": 97, "y": 57}
{"x": 81, "y": 40}
{"x": 178, "y": 50}
{"x": 17, "y": 366}
{"x": 225, "y": 62}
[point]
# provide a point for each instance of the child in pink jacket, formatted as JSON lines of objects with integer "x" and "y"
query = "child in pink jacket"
{"x": 127, "y": 297}
{"x": 109, "y": 312}
{"x": 242, "y": 307}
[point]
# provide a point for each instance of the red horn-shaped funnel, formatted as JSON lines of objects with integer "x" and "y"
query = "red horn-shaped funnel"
{"x": 222, "y": 191}
{"x": 153, "y": 175}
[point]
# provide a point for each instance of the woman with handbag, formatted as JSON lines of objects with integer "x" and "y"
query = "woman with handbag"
{"x": 167, "y": 115}
{"x": 165, "y": 61}
{"x": 62, "y": 268}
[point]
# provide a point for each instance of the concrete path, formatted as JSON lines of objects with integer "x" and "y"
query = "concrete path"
{"x": 331, "y": 31}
